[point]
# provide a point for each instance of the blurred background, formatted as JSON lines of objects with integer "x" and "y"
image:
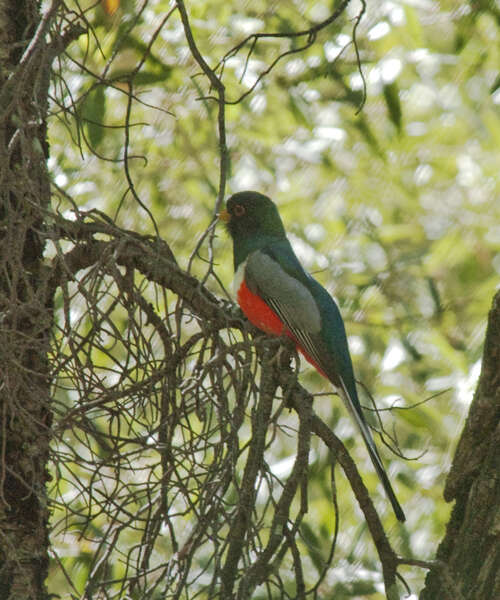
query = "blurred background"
{"x": 380, "y": 143}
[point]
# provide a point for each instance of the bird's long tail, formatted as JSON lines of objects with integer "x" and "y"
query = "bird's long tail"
{"x": 358, "y": 417}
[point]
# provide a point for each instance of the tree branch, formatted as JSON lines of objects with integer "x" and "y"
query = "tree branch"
{"x": 221, "y": 101}
{"x": 153, "y": 259}
{"x": 469, "y": 553}
{"x": 309, "y": 33}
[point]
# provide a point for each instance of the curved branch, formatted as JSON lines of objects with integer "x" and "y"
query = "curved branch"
{"x": 153, "y": 259}
{"x": 387, "y": 556}
{"x": 312, "y": 31}
{"x": 216, "y": 83}
{"x": 253, "y": 38}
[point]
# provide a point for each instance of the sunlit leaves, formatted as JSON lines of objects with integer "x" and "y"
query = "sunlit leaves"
{"x": 93, "y": 114}
{"x": 394, "y": 208}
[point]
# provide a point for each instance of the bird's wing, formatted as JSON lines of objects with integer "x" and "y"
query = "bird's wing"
{"x": 302, "y": 304}
{"x": 314, "y": 321}
{"x": 282, "y": 287}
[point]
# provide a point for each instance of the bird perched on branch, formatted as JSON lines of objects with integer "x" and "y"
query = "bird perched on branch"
{"x": 279, "y": 297}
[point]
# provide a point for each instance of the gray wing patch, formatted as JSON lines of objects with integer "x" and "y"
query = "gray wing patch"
{"x": 286, "y": 295}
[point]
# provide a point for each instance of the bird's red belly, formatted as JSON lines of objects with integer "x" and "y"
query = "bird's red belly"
{"x": 258, "y": 312}
{"x": 264, "y": 317}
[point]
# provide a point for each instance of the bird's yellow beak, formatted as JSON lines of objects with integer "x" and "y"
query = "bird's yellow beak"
{"x": 224, "y": 216}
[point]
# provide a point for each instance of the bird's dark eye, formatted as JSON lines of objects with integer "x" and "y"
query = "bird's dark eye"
{"x": 239, "y": 210}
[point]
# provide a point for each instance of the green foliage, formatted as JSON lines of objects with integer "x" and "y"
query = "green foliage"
{"x": 92, "y": 114}
{"x": 393, "y": 204}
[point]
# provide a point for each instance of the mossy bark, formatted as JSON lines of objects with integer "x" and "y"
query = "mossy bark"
{"x": 25, "y": 305}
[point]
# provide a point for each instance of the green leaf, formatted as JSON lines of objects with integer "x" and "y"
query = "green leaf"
{"x": 158, "y": 75}
{"x": 391, "y": 95}
{"x": 93, "y": 111}
{"x": 313, "y": 546}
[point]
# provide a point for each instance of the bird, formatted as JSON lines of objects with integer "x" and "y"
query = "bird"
{"x": 279, "y": 297}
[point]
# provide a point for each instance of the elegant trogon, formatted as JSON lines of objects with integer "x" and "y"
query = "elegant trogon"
{"x": 279, "y": 297}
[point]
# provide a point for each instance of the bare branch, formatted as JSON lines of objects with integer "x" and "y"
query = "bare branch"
{"x": 216, "y": 83}
{"x": 152, "y": 258}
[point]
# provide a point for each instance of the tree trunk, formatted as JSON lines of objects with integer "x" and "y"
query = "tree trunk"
{"x": 470, "y": 551}
{"x": 25, "y": 305}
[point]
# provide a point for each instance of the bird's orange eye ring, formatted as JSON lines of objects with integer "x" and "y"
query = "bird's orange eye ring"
{"x": 239, "y": 210}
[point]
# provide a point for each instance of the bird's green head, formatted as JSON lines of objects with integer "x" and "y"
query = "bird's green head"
{"x": 252, "y": 213}
{"x": 253, "y": 221}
